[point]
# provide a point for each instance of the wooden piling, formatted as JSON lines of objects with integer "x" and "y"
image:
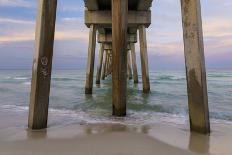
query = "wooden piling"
{"x": 144, "y": 59}
{"x": 195, "y": 66}
{"x": 129, "y": 70}
{"x": 99, "y": 67}
{"x": 91, "y": 58}
{"x": 119, "y": 41}
{"x": 42, "y": 64}
{"x": 107, "y": 63}
{"x": 134, "y": 63}
{"x": 110, "y": 64}
{"x": 104, "y": 65}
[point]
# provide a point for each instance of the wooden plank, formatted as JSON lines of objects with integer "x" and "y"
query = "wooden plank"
{"x": 99, "y": 67}
{"x": 119, "y": 38}
{"x": 104, "y": 18}
{"x": 42, "y": 64}
{"x": 129, "y": 70}
{"x": 144, "y": 59}
{"x": 91, "y": 58}
{"x": 134, "y": 63}
{"x": 195, "y": 66}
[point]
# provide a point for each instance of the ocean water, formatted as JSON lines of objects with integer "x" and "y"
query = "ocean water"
{"x": 167, "y": 101}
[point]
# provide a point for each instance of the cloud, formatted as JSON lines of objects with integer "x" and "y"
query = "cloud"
{"x": 15, "y": 21}
{"x": 23, "y": 30}
{"x": 16, "y": 30}
{"x": 164, "y": 36}
{"x": 15, "y": 3}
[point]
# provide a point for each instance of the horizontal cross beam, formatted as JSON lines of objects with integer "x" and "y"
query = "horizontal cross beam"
{"x": 107, "y": 38}
{"x": 108, "y": 46}
{"x": 104, "y": 18}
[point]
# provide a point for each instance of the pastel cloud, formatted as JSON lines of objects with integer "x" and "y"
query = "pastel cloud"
{"x": 24, "y": 30}
{"x": 164, "y": 35}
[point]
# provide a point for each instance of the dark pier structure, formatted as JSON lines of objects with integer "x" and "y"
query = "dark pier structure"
{"x": 117, "y": 25}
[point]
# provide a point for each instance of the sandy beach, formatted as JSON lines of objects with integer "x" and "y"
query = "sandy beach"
{"x": 119, "y": 77}
{"x": 109, "y": 138}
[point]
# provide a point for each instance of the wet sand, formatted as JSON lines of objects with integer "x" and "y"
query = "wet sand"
{"x": 109, "y": 138}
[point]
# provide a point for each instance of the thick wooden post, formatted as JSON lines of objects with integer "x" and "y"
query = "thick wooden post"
{"x": 91, "y": 58}
{"x": 195, "y": 66}
{"x": 42, "y": 64}
{"x": 144, "y": 59}
{"x": 99, "y": 67}
{"x": 129, "y": 70}
{"x": 104, "y": 65}
{"x": 134, "y": 63}
{"x": 119, "y": 40}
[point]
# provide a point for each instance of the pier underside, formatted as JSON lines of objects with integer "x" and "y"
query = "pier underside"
{"x": 140, "y": 5}
{"x": 117, "y": 29}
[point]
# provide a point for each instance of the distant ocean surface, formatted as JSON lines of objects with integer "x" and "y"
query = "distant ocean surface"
{"x": 166, "y": 102}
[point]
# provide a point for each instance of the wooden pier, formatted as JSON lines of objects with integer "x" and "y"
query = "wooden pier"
{"x": 115, "y": 25}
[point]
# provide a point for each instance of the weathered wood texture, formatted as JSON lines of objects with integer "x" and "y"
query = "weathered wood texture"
{"x": 107, "y": 38}
{"x": 129, "y": 70}
{"x": 195, "y": 66}
{"x": 110, "y": 64}
{"x": 107, "y": 63}
{"x": 144, "y": 59}
{"x": 91, "y": 4}
{"x": 134, "y": 63}
{"x": 104, "y": 65}
{"x": 119, "y": 38}
{"x": 42, "y": 64}
{"x": 107, "y": 46}
{"x": 106, "y": 4}
{"x": 91, "y": 58}
{"x": 144, "y": 5}
{"x": 104, "y": 18}
{"x": 99, "y": 67}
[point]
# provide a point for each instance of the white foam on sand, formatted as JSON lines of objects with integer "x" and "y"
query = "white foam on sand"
{"x": 133, "y": 118}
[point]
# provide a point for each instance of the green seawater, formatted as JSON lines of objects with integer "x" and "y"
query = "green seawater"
{"x": 167, "y": 100}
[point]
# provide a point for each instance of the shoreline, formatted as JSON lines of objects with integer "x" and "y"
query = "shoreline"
{"x": 109, "y": 138}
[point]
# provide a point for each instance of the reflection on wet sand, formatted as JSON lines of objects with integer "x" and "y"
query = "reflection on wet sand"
{"x": 199, "y": 143}
{"x": 215, "y": 144}
{"x": 39, "y": 134}
{"x": 106, "y": 128}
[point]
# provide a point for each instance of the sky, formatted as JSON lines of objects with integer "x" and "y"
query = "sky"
{"x": 164, "y": 36}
